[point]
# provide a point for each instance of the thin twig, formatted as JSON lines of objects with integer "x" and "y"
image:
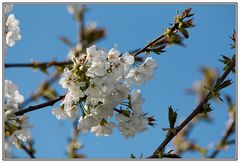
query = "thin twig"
{"x": 54, "y": 63}
{"x": 36, "y": 64}
{"x": 28, "y": 151}
{"x": 143, "y": 49}
{"x": 36, "y": 107}
{"x": 195, "y": 112}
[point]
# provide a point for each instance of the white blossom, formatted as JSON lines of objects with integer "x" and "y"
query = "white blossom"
{"x": 113, "y": 55}
{"x": 93, "y": 53}
{"x": 59, "y": 113}
{"x": 135, "y": 123}
{"x": 12, "y": 23}
{"x": 102, "y": 82}
{"x": 136, "y": 100}
{"x": 148, "y": 67}
{"x": 71, "y": 9}
{"x": 143, "y": 73}
{"x": 9, "y": 88}
{"x": 68, "y": 79}
{"x": 94, "y": 89}
{"x": 76, "y": 91}
{"x": 98, "y": 67}
{"x": 103, "y": 130}
{"x": 72, "y": 112}
{"x": 127, "y": 58}
{"x": 23, "y": 134}
{"x": 16, "y": 127}
{"x": 135, "y": 76}
{"x": 87, "y": 122}
{"x": 13, "y": 30}
{"x": 103, "y": 111}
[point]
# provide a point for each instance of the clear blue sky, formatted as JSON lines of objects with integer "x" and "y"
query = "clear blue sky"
{"x": 130, "y": 27}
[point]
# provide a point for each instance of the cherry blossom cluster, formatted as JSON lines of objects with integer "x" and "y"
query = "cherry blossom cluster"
{"x": 16, "y": 127}
{"x": 99, "y": 86}
{"x": 12, "y": 30}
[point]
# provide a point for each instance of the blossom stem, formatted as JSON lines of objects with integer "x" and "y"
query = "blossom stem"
{"x": 195, "y": 112}
{"x": 36, "y": 107}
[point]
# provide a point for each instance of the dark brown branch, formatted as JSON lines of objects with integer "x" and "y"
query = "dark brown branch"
{"x": 36, "y": 64}
{"x": 195, "y": 112}
{"x": 36, "y": 107}
{"x": 28, "y": 151}
{"x": 145, "y": 48}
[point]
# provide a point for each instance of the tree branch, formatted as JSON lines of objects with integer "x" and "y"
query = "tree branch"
{"x": 36, "y": 64}
{"x": 195, "y": 112}
{"x": 145, "y": 48}
{"x": 28, "y": 151}
{"x": 36, "y": 107}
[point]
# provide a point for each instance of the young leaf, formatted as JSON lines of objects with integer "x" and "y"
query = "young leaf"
{"x": 225, "y": 84}
{"x": 184, "y": 32}
{"x": 172, "y": 117}
{"x": 207, "y": 108}
{"x": 188, "y": 24}
{"x": 186, "y": 12}
{"x": 132, "y": 156}
{"x": 171, "y": 154}
{"x": 160, "y": 154}
{"x": 44, "y": 69}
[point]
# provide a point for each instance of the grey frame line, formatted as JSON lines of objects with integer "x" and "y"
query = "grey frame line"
{"x": 128, "y": 3}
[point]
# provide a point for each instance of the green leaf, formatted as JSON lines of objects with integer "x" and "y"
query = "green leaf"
{"x": 172, "y": 117}
{"x": 225, "y": 84}
{"x": 103, "y": 122}
{"x": 184, "y": 32}
{"x": 188, "y": 24}
{"x": 132, "y": 156}
{"x": 158, "y": 50}
{"x": 44, "y": 69}
{"x": 175, "y": 39}
{"x": 207, "y": 108}
{"x": 160, "y": 154}
{"x": 186, "y": 12}
{"x": 189, "y": 15}
{"x": 233, "y": 38}
{"x": 227, "y": 62}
